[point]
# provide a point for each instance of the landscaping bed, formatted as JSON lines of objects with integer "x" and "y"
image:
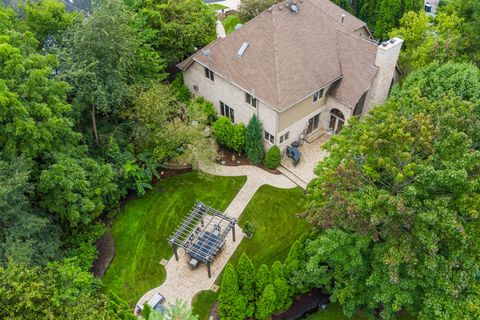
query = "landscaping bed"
{"x": 229, "y": 158}
{"x": 142, "y": 228}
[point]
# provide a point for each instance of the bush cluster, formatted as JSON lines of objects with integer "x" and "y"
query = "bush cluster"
{"x": 272, "y": 158}
{"x": 229, "y": 135}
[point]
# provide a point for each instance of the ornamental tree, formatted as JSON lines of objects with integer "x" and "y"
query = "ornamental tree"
{"x": 231, "y": 302}
{"x": 246, "y": 282}
{"x": 267, "y": 303}
{"x": 262, "y": 279}
{"x": 253, "y": 141}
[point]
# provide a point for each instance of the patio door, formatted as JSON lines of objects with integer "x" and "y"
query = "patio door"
{"x": 313, "y": 123}
{"x": 337, "y": 120}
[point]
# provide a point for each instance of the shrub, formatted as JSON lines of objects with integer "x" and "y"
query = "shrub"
{"x": 272, "y": 158}
{"x": 248, "y": 229}
{"x": 180, "y": 89}
{"x": 253, "y": 141}
{"x": 228, "y": 134}
{"x": 207, "y": 108}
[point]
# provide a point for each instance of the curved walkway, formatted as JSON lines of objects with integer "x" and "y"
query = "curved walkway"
{"x": 183, "y": 283}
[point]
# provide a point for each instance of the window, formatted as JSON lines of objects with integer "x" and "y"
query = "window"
{"x": 227, "y": 111}
{"x": 284, "y": 137}
{"x": 209, "y": 74}
{"x": 269, "y": 137}
{"x": 318, "y": 95}
{"x": 250, "y": 100}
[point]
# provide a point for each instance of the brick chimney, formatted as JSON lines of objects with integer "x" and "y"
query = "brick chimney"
{"x": 386, "y": 61}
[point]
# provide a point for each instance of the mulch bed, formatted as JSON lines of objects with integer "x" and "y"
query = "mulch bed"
{"x": 230, "y": 158}
{"x": 106, "y": 250}
{"x": 304, "y": 305}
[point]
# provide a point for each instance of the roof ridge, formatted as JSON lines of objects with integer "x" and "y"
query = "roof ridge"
{"x": 328, "y": 14}
{"x": 277, "y": 80}
{"x": 354, "y": 35}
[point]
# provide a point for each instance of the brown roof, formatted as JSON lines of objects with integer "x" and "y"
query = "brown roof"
{"x": 290, "y": 55}
{"x": 357, "y": 58}
{"x": 335, "y": 12}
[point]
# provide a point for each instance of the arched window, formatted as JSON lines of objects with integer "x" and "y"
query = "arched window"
{"x": 337, "y": 120}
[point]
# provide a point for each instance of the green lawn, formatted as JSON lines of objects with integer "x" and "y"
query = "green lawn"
{"x": 142, "y": 228}
{"x": 202, "y": 303}
{"x": 273, "y": 212}
{"x": 216, "y": 6}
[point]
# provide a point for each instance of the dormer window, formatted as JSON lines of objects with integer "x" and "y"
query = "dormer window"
{"x": 318, "y": 95}
{"x": 209, "y": 74}
{"x": 250, "y": 100}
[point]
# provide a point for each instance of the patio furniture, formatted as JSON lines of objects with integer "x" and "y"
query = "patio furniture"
{"x": 294, "y": 153}
{"x": 155, "y": 302}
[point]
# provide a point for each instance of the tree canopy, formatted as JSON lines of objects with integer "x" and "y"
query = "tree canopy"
{"x": 405, "y": 180}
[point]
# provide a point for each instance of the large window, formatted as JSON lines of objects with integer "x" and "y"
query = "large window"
{"x": 284, "y": 137}
{"x": 318, "y": 95}
{"x": 337, "y": 120}
{"x": 270, "y": 138}
{"x": 227, "y": 111}
{"x": 209, "y": 74}
{"x": 250, "y": 100}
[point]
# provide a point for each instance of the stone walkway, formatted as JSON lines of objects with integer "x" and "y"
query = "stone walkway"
{"x": 183, "y": 283}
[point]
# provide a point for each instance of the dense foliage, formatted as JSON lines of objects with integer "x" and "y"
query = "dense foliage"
{"x": 60, "y": 290}
{"x": 229, "y": 135}
{"x": 246, "y": 292}
{"x": 401, "y": 187}
{"x": 70, "y": 149}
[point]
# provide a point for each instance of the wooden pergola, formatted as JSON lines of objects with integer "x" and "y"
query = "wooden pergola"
{"x": 202, "y": 234}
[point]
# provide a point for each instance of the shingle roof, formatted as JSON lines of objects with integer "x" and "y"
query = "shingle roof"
{"x": 291, "y": 55}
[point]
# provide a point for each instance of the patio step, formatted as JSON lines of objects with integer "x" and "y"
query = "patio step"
{"x": 287, "y": 172}
{"x": 316, "y": 135}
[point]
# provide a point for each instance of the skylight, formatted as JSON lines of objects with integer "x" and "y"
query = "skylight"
{"x": 242, "y": 49}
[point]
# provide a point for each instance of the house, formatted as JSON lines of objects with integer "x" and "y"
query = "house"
{"x": 302, "y": 67}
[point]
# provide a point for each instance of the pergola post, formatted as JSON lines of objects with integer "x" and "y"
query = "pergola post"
{"x": 208, "y": 269}
{"x": 174, "y": 247}
{"x": 233, "y": 233}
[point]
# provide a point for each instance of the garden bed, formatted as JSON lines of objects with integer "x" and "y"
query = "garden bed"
{"x": 230, "y": 158}
{"x": 304, "y": 305}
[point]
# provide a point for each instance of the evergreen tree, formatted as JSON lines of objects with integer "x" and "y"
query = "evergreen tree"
{"x": 246, "y": 282}
{"x": 262, "y": 279}
{"x": 280, "y": 284}
{"x": 267, "y": 303}
{"x": 253, "y": 141}
{"x": 231, "y": 302}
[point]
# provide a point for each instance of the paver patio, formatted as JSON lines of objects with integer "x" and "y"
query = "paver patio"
{"x": 183, "y": 283}
{"x": 312, "y": 153}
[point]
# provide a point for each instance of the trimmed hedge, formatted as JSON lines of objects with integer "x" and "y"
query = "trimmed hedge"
{"x": 228, "y": 134}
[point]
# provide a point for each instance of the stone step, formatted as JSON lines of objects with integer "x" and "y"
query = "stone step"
{"x": 287, "y": 172}
{"x": 316, "y": 135}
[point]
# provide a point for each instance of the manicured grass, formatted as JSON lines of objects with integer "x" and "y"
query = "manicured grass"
{"x": 273, "y": 212}
{"x": 230, "y": 22}
{"x": 202, "y": 303}
{"x": 141, "y": 230}
{"x": 216, "y": 6}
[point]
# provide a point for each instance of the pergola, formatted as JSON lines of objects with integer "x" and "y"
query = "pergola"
{"x": 202, "y": 234}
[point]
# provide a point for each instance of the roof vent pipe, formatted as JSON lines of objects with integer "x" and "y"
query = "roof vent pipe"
{"x": 343, "y": 17}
